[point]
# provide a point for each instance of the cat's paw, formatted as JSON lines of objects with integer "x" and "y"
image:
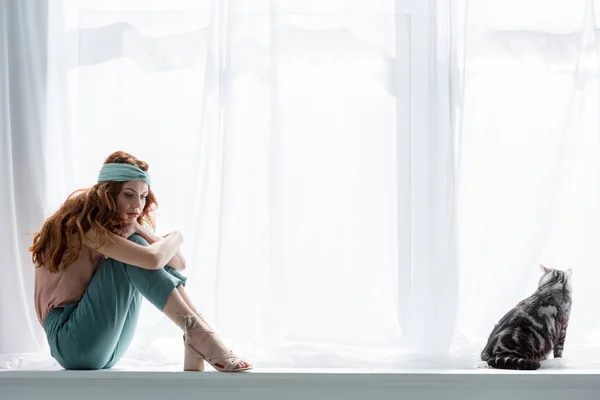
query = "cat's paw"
{"x": 483, "y": 364}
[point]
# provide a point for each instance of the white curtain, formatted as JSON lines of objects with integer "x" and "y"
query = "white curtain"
{"x": 528, "y": 166}
{"x": 358, "y": 183}
{"x": 290, "y": 142}
{"x": 22, "y": 159}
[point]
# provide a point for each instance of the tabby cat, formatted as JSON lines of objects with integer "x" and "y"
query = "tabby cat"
{"x": 536, "y": 326}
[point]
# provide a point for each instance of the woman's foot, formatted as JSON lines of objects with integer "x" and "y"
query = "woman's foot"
{"x": 203, "y": 343}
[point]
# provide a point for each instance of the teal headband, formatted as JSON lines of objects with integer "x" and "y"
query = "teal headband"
{"x": 117, "y": 172}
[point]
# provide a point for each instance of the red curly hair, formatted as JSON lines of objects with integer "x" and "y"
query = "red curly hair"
{"x": 85, "y": 209}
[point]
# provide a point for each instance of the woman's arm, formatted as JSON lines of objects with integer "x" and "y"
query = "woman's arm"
{"x": 177, "y": 261}
{"x": 152, "y": 257}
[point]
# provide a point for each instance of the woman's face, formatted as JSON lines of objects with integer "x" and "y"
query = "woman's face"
{"x": 132, "y": 199}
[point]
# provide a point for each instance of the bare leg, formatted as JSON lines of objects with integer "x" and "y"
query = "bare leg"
{"x": 176, "y": 308}
{"x": 188, "y": 301}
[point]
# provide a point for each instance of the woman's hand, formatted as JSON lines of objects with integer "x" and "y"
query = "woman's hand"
{"x": 129, "y": 230}
{"x": 177, "y": 261}
{"x": 139, "y": 229}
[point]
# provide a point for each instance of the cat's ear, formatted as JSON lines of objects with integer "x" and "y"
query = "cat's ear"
{"x": 543, "y": 268}
{"x": 569, "y": 272}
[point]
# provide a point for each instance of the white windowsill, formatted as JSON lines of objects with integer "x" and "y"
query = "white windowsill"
{"x": 547, "y": 384}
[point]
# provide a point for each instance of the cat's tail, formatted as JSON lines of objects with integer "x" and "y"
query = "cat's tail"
{"x": 510, "y": 362}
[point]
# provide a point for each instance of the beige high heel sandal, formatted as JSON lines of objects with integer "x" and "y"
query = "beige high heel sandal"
{"x": 194, "y": 360}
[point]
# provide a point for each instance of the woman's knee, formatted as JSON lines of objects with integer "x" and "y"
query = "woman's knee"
{"x": 135, "y": 238}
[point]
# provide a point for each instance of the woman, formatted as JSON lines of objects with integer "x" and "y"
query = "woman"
{"x": 96, "y": 259}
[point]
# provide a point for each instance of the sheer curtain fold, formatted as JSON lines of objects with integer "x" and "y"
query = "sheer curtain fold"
{"x": 23, "y": 38}
{"x": 435, "y": 38}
